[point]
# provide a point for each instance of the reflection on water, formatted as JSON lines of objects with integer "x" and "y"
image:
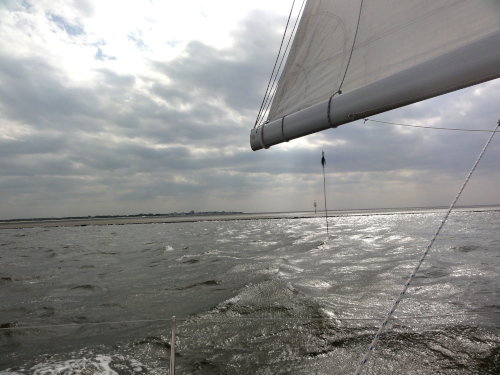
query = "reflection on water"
{"x": 252, "y": 297}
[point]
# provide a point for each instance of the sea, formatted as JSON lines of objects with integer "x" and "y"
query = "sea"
{"x": 261, "y": 296}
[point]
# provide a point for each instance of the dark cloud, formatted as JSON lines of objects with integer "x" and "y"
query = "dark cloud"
{"x": 32, "y": 144}
{"x": 31, "y": 92}
{"x": 237, "y": 75}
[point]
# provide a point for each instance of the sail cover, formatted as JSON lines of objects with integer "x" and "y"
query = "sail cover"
{"x": 343, "y": 46}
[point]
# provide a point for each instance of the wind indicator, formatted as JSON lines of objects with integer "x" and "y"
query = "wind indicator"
{"x": 323, "y": 163}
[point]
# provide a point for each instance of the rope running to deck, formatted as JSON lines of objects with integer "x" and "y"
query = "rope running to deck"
{"x": 398, "y": 300}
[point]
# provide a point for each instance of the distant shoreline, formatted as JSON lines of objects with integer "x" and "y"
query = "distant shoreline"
{"x": 125, "y": 220}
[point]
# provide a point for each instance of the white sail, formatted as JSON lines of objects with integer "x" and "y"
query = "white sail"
{"x": 400, "y": 52}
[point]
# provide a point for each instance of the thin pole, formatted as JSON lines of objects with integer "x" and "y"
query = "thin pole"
{"x": 396, "y": 303}
{"x": 323, "y": 162}
{"x": 172, "y": 349}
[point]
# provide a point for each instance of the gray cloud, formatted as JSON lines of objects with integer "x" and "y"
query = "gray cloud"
{"x": 237, "y": 75}
{"x": 32, "y": 93}
{"x": 124, "y": 144}
{"x": 85, "y": 7}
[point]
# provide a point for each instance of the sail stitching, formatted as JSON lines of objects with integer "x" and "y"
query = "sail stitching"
{"x": 395, "y": 29}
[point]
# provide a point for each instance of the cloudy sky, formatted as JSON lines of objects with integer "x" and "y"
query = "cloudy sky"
{"x": 145, "y": 106}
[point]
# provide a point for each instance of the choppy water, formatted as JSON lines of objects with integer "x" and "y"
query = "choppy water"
{"x": 252, "y": 297}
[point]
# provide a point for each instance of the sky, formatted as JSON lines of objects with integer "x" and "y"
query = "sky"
{"x": 145, "y": 106}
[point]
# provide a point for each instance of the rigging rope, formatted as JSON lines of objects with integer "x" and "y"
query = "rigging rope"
{"x": 276, "y": 62}
{"x": 431, "y": 127}
{"x": 405, "y": 287}
{"x": 274, "y": 86}
{"x": 352, "y": 49}
{"x": 339, "y": 91}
